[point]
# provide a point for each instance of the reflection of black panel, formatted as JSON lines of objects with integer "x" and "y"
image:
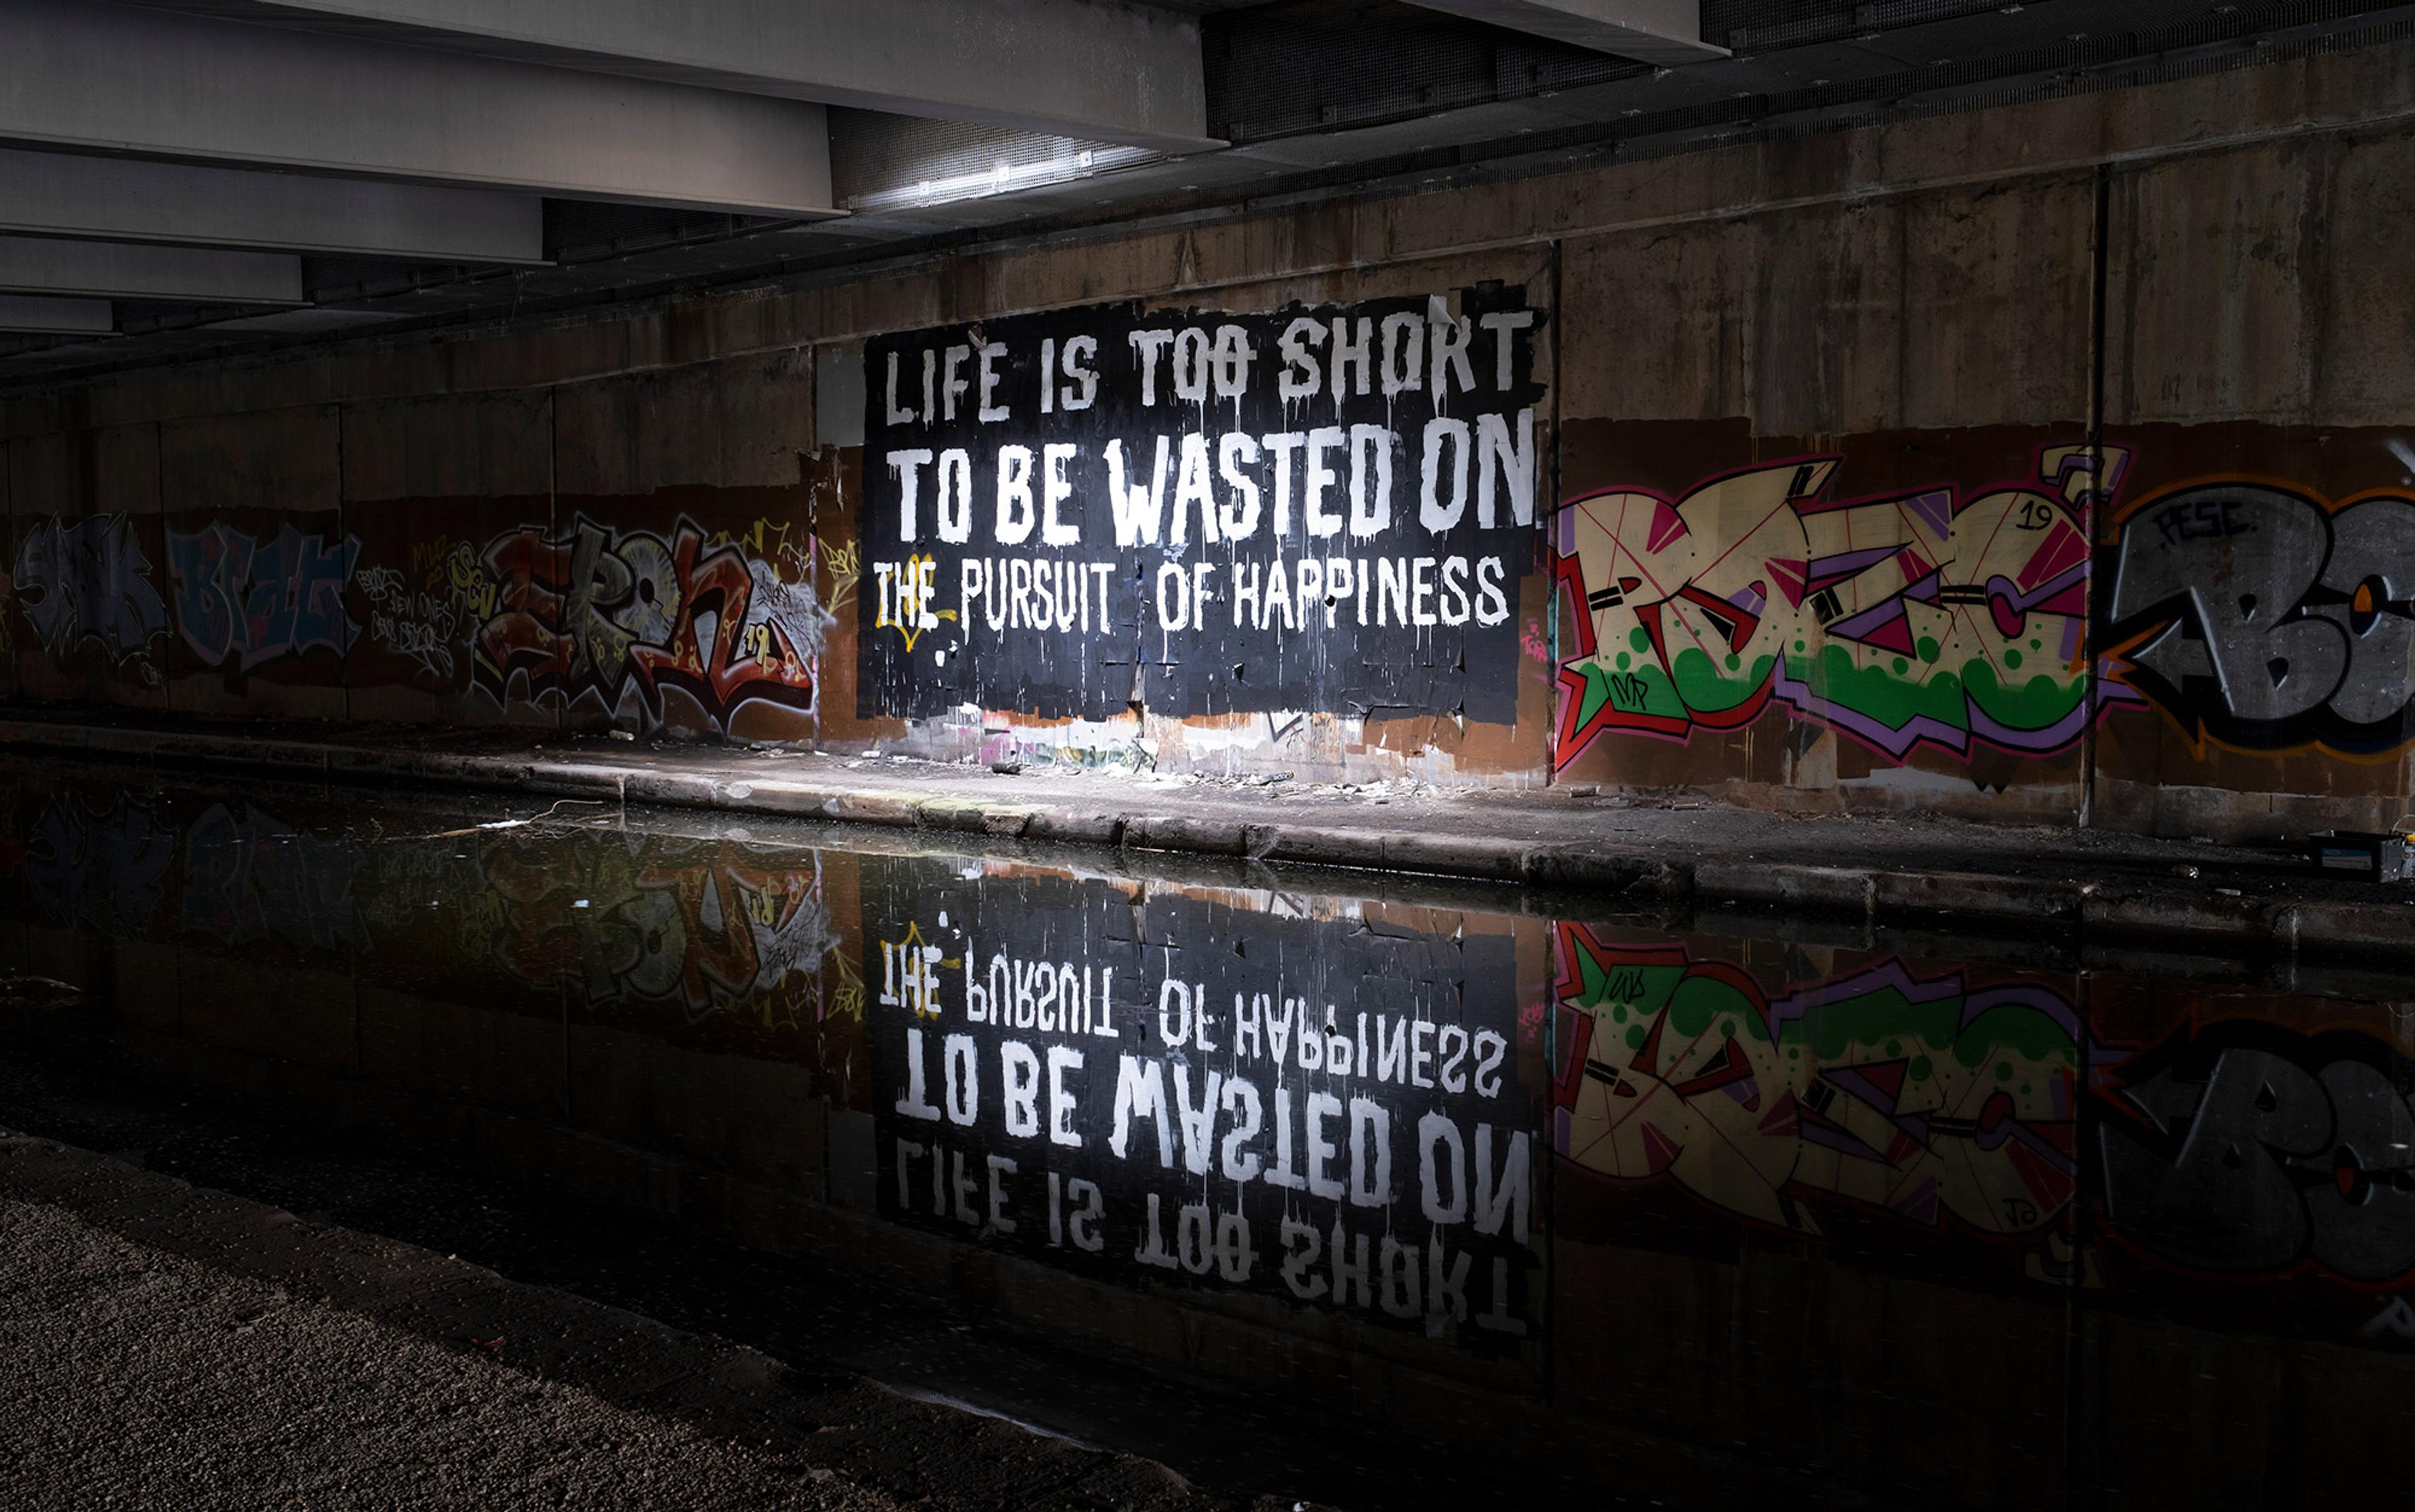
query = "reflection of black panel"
{"x": 1224, "y": 1187}
{"x": 963, "y": 599}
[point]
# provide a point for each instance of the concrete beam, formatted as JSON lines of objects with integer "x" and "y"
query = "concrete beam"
{"x": 34, "y": 314}
{"x": 128, "y": 199}
{"x": 128, "y": 270}
{"x": 1102, "y": 70}
{"x": 94, "y": 77}
{"x": 1665, "y": 31}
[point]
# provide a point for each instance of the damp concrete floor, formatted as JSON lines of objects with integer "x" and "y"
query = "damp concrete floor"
{"x": 1642, "y": 848}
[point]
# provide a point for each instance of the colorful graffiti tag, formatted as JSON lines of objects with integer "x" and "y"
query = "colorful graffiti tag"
{"x": 1923, "y": 619}
{"x": 87, "y": 583}
{"x": 2265, "y": 619}
{"x": 2257, "y": 616}
{"x": 621, "y": 615}
{"x": 1920, "y": 1096}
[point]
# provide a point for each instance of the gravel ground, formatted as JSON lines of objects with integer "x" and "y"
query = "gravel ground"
{"x": 173, "y": 1346}
{"x": 138, "y": 1378}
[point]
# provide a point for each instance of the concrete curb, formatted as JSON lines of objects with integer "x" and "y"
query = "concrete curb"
{"x": 2170, "y": 917}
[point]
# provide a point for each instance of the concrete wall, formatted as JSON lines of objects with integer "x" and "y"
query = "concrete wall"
{"x": 2049, "y": 463}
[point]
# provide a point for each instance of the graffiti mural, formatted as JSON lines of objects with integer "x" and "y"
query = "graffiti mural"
{"x": 683, "y": 630}
{"x": 620, "y": 616}
{"x": 241, "y": 602}
{"x": 2245, "y": 1149}
{"x": 87, "y": 583}
{"x": 1968, "y": 622}
{"x": 1926, "y": 619}
{"x": 2264, "y": 618}
{"x": 1921, "y": 1096}
{"x": 1313, "y": 509}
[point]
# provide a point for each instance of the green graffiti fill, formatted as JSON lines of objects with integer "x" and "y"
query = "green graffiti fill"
{"x": 1618, "y": 690}
{"x": 1847, "y": 1031}
{"x": 1843, "y": 1032}
{"x": 1894, "y": 692}
{"x": 1879, "y": 692}
{"x": 1700, "y": 999}
{"x": 2026, "y": 1032}
{"x": 1706, "y": 688}
{"x": 2038, "y": 703}
{"x": 1642, "y": 988}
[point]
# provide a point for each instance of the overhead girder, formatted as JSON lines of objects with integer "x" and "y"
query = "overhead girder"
{"x": 127, "y": 199}
{"x": 88, "y": 76}
{"x": 1102, "y": 71}
{"x": 40, "y": 315}
{"x": 132, "y": 270}
{"x": 1665, "y": 31}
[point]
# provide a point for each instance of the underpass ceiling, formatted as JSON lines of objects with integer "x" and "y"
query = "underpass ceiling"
{"x": 1315, "y": 96}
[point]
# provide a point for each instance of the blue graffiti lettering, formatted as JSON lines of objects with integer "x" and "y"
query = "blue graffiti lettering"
{"x": 256, "y": 601}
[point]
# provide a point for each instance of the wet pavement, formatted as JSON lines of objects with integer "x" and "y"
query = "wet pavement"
{"x": 1666, "y": 847}
{"x": 1310, "y": 1184}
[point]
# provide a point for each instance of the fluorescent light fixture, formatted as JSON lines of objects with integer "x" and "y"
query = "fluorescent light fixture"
{"x": 1002, "y": 177}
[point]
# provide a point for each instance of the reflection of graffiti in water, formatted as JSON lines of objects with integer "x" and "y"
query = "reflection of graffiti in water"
{"x": 2245, "y": 1149}
{"x": 87, "y": 582}
{"x": 98, "y": 868}
{"x": 709, "y": 925}
{"x": 2267, "y": 620}
{"x": 1916, "y": 1095}
{"x": 1924, "y": 619}
{"x": 627, "y": 613}
{"x": 713, "y": 927}
{"x": 250, "y": 877}
{"x": 244, "y": 601}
